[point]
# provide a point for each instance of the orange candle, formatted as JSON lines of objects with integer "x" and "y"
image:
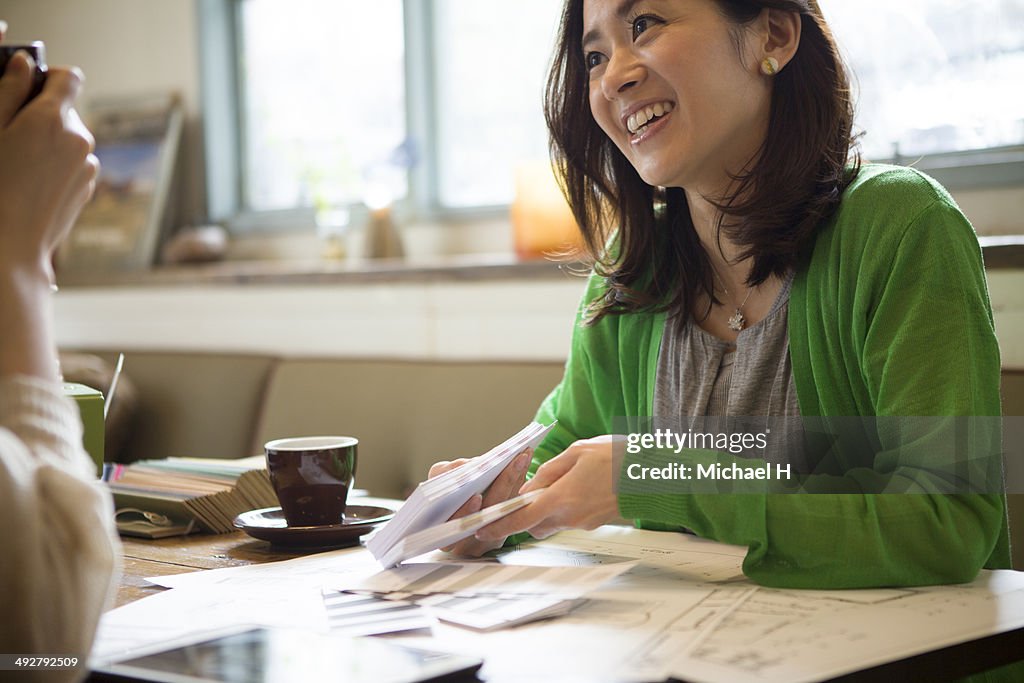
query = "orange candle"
{"x": 542, "y": 222}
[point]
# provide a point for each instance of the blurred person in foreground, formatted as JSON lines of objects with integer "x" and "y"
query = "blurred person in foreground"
{"x": 60, "y": 549}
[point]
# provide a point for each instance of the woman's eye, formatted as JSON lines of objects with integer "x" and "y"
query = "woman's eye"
{"x": 643, "y": 23}
{"x": 592, "y": 59}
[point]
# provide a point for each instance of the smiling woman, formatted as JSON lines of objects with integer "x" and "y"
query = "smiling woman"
{"x": 748, "y": 266}
{"x": 681, "y": 62}
{"x": 701, "y": 62}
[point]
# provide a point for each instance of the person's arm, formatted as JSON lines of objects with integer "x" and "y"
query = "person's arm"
{"x": 59, "y": 545}
{"x": 590, "y": 393}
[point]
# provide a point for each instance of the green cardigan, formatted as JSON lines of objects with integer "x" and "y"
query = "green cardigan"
{"x": 889, "y": 315}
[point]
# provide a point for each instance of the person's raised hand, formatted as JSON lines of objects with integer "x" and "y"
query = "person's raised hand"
{"x": 505, "y": 486}
{"x": 47, "y": 169}
{"x": 578, "y": 493}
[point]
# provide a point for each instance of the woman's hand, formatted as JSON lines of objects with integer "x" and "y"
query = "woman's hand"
{"x": 578, "y": 493}
{"x": 504, "y": 487}
{"x": 47, "y": 169}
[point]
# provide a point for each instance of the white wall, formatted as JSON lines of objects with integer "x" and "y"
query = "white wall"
{"x": 998, "y": 211}
{"x": 487, "y": 320}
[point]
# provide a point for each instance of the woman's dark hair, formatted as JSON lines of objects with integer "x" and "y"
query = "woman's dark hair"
{"x": 657, "y": 262}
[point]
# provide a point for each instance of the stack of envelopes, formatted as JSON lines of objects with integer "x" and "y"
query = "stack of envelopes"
{"x": 418, "y": 527}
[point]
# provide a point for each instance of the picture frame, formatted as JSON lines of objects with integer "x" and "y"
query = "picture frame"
{"x": 137, "y": 143}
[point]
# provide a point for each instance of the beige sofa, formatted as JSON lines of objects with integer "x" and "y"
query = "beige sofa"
{"x": 406, "y": 414}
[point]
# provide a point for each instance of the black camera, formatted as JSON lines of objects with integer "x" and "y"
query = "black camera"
{"x": 38, "y": 52}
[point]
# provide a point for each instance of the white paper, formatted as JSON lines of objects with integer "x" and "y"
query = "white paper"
{"x": 453, "y": 530}
{"x": 362, "y": 615}
{"x": 667, "y": 561}
{"x": 797, "y": 636}
{"x": 593, "y": 643}
{"x": 681, "y": 608}
{"x": 716, "y": 626}
{"x": 480, "y": 578}
{"x": 190, "y": 615}
{"x": 317, "y": 570}
{"x": 486, "y": 613}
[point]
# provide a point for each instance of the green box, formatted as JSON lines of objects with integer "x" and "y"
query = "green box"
{"x": 90, "y": 406}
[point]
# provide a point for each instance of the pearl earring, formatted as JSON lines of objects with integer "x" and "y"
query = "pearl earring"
{"x": 769, "y": 66}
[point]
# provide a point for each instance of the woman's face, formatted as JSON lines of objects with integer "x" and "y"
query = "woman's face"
{"x": 670, "y": 88}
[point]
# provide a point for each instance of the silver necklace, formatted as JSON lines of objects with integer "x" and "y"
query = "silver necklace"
{"x": 737, "y": 321}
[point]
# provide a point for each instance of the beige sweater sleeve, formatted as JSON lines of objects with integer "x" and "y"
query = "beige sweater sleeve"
{"x": 60, "y": 554}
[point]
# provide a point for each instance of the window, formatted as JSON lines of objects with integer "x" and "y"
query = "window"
{"x": 323, "y": 114}
{"x": 490, "y": 69}
{"x": 435, "y": 101}
{"x": 934, "y": 76}
{"x": 438, "y": 101}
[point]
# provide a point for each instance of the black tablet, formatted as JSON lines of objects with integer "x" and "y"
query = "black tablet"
{"x": 285, "y": 656}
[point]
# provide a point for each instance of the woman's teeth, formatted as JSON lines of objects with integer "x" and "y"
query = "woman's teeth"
{"x": 638, "y": 121}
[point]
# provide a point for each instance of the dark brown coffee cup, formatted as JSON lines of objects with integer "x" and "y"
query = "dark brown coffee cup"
{"x": 311, "y": 476}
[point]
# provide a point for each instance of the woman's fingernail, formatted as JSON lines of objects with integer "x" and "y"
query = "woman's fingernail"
{"x": 28, "y": 59}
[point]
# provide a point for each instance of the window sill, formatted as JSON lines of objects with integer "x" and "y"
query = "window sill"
{"x": 1002, "y": 251}
{"x": 470, "y": 268}
{"x": 973, "y": 169}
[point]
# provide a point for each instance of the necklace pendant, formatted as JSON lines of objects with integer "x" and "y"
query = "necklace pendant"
{"x": 736, "y": 321}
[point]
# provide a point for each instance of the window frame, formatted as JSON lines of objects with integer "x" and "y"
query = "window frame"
{"x": 220, "y": 45}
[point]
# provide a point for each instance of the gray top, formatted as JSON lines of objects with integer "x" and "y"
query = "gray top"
{"x": 702, "y": 376}
{"x": 699, "y": 374}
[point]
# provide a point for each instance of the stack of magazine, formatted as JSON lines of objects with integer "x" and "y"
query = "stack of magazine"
{"x": 210, "y": 491}
{"x": 420, "y": 525}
